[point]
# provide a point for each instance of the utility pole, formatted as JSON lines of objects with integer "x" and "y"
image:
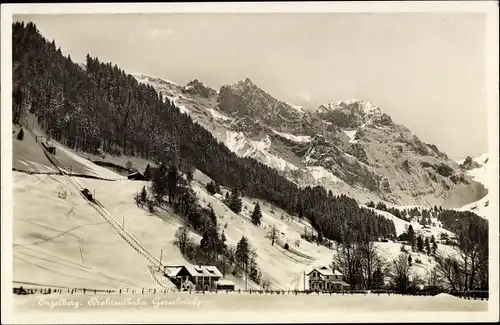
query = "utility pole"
{"x": 123, "y": 224}
{"x": 246, "y": 274}
{"x": 161, "y": 257}
{"x": 304, "y": 280}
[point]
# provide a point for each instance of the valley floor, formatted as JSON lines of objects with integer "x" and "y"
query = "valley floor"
{"x": 235, "y": 301}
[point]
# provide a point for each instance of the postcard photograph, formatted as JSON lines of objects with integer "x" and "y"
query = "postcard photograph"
{"x": 253, "y": 162}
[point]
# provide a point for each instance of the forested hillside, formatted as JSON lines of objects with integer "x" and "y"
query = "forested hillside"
{"x": 101, "y": 108}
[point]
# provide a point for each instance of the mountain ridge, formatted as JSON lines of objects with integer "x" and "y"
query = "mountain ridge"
{"x": 353, "y": 141}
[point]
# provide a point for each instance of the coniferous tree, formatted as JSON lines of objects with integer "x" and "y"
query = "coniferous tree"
{"x": 427, "y": 246}
{"x": 222, "y": 243}
{"x": 434, "y": 245}
{"x": 320, "y": 237}
{"x": 172, "y": 183}
{"x": 412, "y": 237}
{"x": 159, "y": 182}
{"x": 208, "y": 243}
{"x": 420, "y": 244}
{"x": 189, "y": 175}
{"x": 256, "y": 215}
{"x": 242, "y": 252}
{"x": 252, "y": 269}
{"x": 144, "y": 195}
{"x": 147, "y": 173}
{"x": 235, "y": 203}
{"x": 217, "y": 187}
{"x": 20, "y": 135}
{"x": 210, "y": 188}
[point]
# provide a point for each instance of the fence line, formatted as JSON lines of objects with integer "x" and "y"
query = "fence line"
{"x": 474, "y": 294}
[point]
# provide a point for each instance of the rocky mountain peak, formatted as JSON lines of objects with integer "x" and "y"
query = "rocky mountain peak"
{"x": 196, "y": 87}
{"x": 352, "y": 113}
{"x": 246, "y": 98}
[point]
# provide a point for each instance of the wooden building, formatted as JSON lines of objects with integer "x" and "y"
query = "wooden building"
{"x": 136, "y": 176}
{"x": 324, "y": 279}
{"x": 202, "y": 277}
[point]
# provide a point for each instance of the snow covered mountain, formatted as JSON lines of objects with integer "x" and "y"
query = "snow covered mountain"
{"x": 348, "y": 146}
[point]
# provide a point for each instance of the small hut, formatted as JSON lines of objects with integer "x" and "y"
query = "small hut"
{"x": 224, "y": 284}
{"x": 136, "y": 176}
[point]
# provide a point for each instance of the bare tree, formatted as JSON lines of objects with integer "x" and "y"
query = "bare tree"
{"x": 472, "y": 241}
{"x": 347, "y": 260}
{"x": 370, "y": 261}
{"x": 272, "y": 234}
{"x": 400, "y": 273}
{"x": 448, "y": 268}
{"x": 266, "y": 284}
{"x": 182, "y": 238}
{"x": 129, "y": 165}
{"x": 433, "y": 278}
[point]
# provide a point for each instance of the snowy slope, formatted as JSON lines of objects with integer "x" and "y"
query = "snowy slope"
{"x": 351, "y": 134}
{"x": 296, "y": 138}
{"x": 283, "y": 268}
{"x": 241, "y": 145}
{"x": 65, "y": 242}
{"x": 482, "y": 175}
{"x": 219, "y": 115}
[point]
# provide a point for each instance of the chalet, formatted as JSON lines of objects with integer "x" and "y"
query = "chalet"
{"x": 324, "y": 279}
{"x": 198, "y": 277}
{"x": 137, "y": 176}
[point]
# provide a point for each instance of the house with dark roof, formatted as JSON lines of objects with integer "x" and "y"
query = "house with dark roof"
{"x": 325, "y": 279}
{"x": 136, "y": 176}
{"x": 198, "y": 277}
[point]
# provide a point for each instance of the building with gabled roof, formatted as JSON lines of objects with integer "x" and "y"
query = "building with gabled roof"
{"x": 203, "y": 277}
{"x": 136, "y": 176}
{"x": 325, "y": 279}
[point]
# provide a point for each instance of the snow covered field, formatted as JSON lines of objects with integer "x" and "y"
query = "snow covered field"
{"x": 234, "y": 301}
{"x": 65, "y": 242}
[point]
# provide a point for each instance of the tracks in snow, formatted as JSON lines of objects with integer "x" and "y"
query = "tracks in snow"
{"x": 98, "y": 206}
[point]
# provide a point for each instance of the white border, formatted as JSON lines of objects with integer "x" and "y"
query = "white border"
{"x": 7, "y": 10}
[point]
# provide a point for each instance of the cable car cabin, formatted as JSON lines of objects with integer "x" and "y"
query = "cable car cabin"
{"x": 87, "y": 194}
{"x": 52, "y": 150}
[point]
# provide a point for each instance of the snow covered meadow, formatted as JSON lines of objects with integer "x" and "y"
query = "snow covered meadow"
{"x": 235, "y": 301}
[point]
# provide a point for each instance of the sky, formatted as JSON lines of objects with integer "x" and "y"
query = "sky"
{"x": 426, "y": 70}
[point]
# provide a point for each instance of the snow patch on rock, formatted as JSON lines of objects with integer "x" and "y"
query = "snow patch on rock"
{"x": 295, "y": 138}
